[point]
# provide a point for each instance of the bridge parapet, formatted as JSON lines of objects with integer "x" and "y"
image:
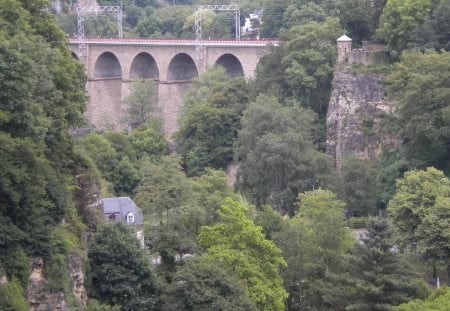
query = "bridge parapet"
{"x": 175, "y": 41}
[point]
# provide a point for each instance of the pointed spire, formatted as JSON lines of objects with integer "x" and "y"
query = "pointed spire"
{"x": 344, "y": 38}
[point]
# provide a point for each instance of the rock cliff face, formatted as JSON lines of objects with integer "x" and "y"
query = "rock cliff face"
{"x": 37, "y": 293}
{"x": 39, "y": 296}
{"x": 356, "y": 109}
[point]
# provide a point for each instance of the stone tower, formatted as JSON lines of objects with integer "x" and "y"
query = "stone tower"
{"x": 344, "y": 46}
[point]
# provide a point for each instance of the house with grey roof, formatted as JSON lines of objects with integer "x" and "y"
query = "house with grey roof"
{"x": 124, "y": 210}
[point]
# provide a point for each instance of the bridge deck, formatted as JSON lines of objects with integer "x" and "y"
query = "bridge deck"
{"x": 174, "y": 41}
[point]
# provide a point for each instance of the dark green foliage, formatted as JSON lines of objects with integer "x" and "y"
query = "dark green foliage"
{"x": 356, "y": 18}
{"x": 420, "y": 212}
{"x": 94, "y": 305}
{"x": 165, "y": 196}
{"x": 141, "y": 104}
{"x": 391, "y": 167}
{"x": 118, "y": 156}
{"x": 199, "y": 285}
{"x": 120, "y": 271}
{"x": 16, "y": 264}
{"x": 439, "y": 300}
{"x": 358, "y": 186}
{"x": 313, "y": 243}
{"x": 240, "y": 247}
{"x": 309, "y": 59}
{"x": 210, "y": 191}
{"x": 276, "y": 154}
{"x": 375, "y": 277}
{"x": 302, "y": 68}
{"x": 421, "y": 85}
{"x": 42, "y": 96}
{"x": 12, "y": 298}
{"x": 210, "y": 121}
{"x": 412, "y": 23}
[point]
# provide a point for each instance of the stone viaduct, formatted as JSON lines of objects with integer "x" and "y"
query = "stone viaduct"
{"x": 113, "y": 64}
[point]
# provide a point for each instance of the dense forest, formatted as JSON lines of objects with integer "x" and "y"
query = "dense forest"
{"x": 294, "y": 232}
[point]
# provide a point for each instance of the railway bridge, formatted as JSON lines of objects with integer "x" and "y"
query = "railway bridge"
{"x": 113, "y": 64}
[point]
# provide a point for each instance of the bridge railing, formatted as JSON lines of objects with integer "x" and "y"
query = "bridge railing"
{"x": 174, "y": 41}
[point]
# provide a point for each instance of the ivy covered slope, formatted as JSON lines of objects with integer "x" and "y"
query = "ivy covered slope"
{"x": 41, "y": 97}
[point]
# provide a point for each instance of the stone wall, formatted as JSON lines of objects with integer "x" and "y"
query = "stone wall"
{"x": 105, "y": 109}
{"x": 170, "y": 101}
{"x": 357, "y": 106}
{"x": 105, "y": 103}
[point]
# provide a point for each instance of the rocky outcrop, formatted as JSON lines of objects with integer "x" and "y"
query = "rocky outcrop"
{"x": 41, "y": 298}
{"x": 77, "y": 277}
{"x": 37, "y": 293}
{"x": 357, "y": 107}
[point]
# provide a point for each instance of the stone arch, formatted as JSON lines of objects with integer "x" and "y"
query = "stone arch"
{"x": 232, "y": 65}
{"x": 107, "y": 66}
{"x": 144, "y": 66}
{"x": 181, "y": 68}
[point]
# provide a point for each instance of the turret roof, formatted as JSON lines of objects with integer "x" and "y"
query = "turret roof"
{"x": 343, "y": 38}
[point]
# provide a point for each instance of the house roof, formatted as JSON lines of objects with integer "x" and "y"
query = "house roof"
{"x": 121, "y": 207}
{"x": 344, "y": 38}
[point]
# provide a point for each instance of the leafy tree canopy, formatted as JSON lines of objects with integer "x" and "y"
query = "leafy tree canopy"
{"x": 276, "y": 154}
{"x": 120, "y": 272}
{"x": 141, "y": 104}
{"x": 439, "y": 300}
{"x": 420, "y": 212}
{"x": 42, "y": 96}
{"x": 375, "y": 277}
{"x": 210, "y": 120}
{"x": 421, "y": 85}
{"x": 401, "y": 20}
{"x": 200, "y": 285}
{"x": 240, "y": 247}
{"x": 313, "y": 244}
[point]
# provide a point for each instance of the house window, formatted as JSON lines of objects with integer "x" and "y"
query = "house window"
{"x": 130, "y": 218}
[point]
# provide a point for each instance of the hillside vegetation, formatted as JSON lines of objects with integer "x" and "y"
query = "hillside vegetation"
{"x": 280, "y": 239}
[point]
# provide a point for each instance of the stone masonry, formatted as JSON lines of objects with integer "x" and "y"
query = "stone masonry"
{"x": 112, "y": 65}
{"x": 357, "y": 106}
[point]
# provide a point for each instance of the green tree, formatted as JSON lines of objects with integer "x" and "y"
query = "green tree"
{"x": 439, "y": 300}
{"x": 309, "y": 60}
{"x": 210, "y": 120}
{"x": 276, "y": 155}
{"x": 203, "y": 286}
{"x": 358, "y": 186}
{"x": 210, "y": 190}
{"x": 42, "y": 97}
{"x": 375, "y": 277}
{"x": 147, "y": 142}
{"x": 421, "y": 85}
{"x": 141, "y": 104}
{"x": 356, "y": 18}
{"x": 166, "y": 198}
{"x": 420, "y": 212}
{"x": 11, "y": 297}
{"x": 94, "y": 305}
{"x": 214, "y": 24}
{"x": 313, "y": 244}
{"x": 391, "y": 167}
{"x": 272, "y": 21}
{"x": 400, "y": 21}
{"x": 120, "y": 272}
{"x": 302, "y": 68}
{"x": 241, "y": 248}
